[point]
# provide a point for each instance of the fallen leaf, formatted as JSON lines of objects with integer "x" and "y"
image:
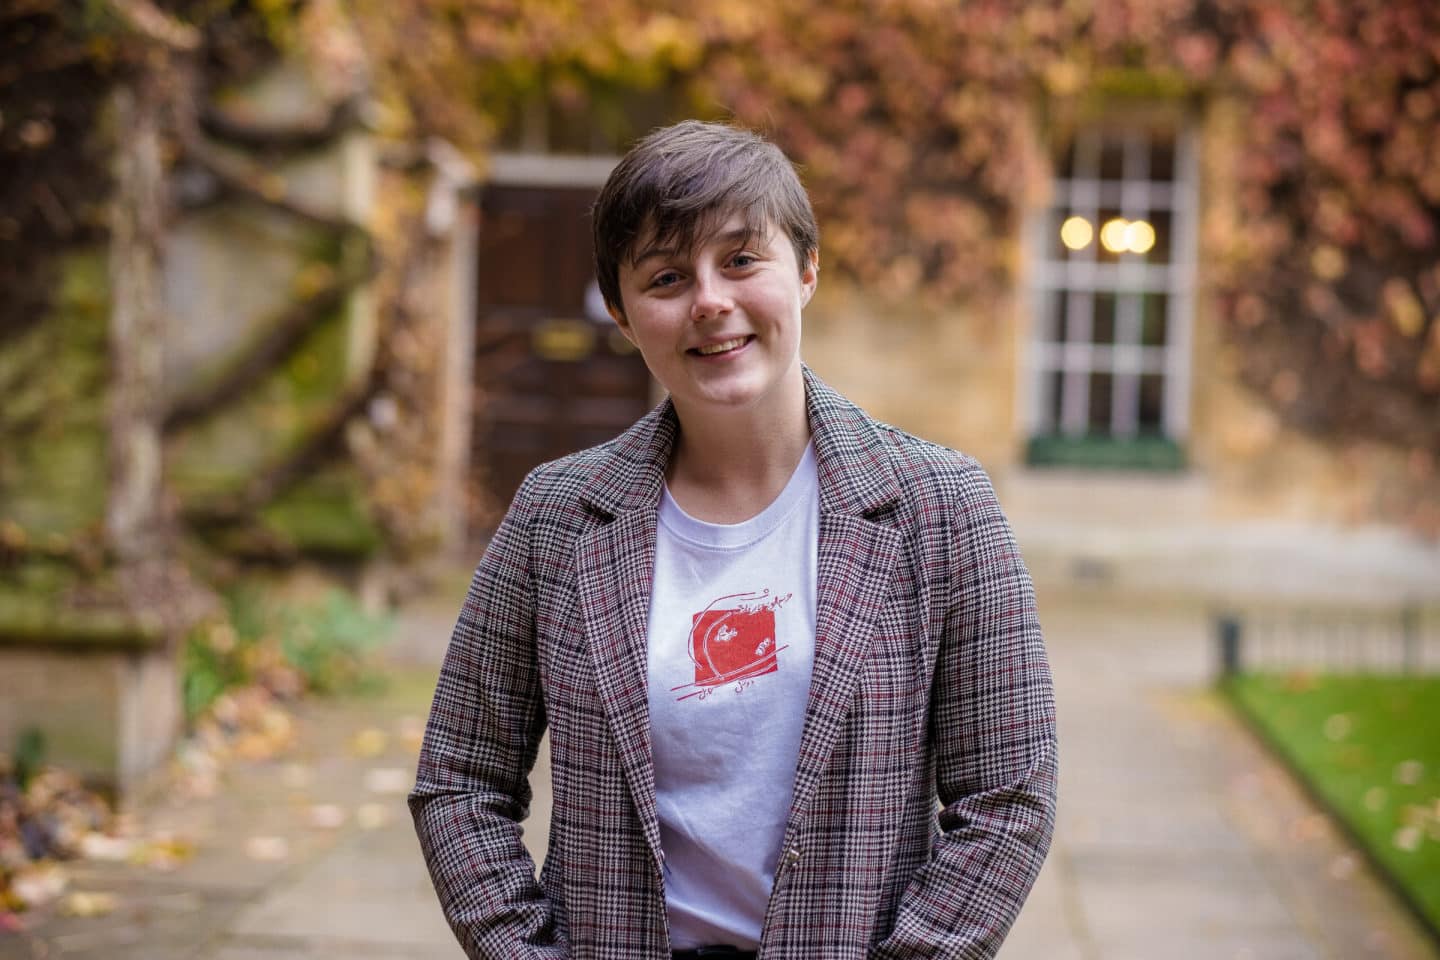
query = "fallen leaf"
{"x": 296, "y": 775}
{"x": 369, "y": 742}
{"x": 278, "y": 725}
{"x": 411, "y": 730}
{"x": 1409, "y": 772}
{"x": 327, "y": 816}
{"x": 86, "y": 904}
{"x": 38, "y": 884}
{"x": 388, "y": 780}
{"x": 100, "y": 846}
{"x": 267, "y": 848}
{"x": 372, "y": 816}
{"x": 163, "y": 852}
{"x": 1408, "y": 839}
{"x": 226, "y": 710}
{"x": 1415, "y": 815}
{"x": 254, "y": 746}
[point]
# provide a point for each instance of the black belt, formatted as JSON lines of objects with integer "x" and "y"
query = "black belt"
{"x": 714, "y": 953}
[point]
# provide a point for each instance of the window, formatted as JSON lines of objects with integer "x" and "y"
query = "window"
{"x": 1112, "y": 289}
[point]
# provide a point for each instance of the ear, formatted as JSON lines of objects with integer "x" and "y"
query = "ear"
{"x": 622, "y": 324}
{"x": 810, "y": 276}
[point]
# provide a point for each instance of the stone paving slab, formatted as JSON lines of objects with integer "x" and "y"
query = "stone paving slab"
{"x": 373, "y": 888}
{"x": 181, "y": 912}
{"x": 1178, "y": 835}
{"x": 1046, "y": 928}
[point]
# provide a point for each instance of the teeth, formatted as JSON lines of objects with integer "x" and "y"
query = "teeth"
{"x": 720, "y": 347}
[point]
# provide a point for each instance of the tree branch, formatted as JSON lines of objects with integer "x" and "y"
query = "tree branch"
{"x": 261, "y": 356}
{"x": 154, "y": 24}
{"x": 298, "y": 136}
{"x": 250, "y": 179}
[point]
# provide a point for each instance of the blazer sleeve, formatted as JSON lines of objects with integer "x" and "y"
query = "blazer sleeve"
{"x": 993, "y": 726}
{"x": 472, "y": 786}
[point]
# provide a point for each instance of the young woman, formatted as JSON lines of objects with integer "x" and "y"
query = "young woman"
{"x": 788, "y": 656}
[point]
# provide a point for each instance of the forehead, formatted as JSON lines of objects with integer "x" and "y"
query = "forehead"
{"x": 657, "y": 238}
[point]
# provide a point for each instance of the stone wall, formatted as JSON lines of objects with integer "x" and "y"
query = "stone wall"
{"x": 1260, "y": 510}
{"x": 194, "y": 397}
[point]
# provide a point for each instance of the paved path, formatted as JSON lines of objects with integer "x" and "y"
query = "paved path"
{"x": 1178, "y": 836}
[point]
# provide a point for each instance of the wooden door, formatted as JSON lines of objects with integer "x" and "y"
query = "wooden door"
{"x": 552, "y": 374}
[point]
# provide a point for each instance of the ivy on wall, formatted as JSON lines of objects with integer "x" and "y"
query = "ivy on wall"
{"x": 914, "y": 123}
{"x": 58, "y": 140}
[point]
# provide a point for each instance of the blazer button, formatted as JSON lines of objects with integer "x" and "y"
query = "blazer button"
{"x": 792, "y": 856}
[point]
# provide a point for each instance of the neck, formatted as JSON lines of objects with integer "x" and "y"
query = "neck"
{"x": 730, "y": 464}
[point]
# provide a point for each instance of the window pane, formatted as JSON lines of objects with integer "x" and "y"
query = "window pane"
{"x": 1152, "y": 403}
{"x": 1102, "y": 326}
{"x": 1112, "y": 159}
{"x": 1057, "y": 311}
{"x": 1103, "y": 254}
{"x": 1162, "y": 221}
{"x": 1054, "y": 246}
{"x": 1162, "y": 159}
{"x": 1076, "y": 304}
{"x": 1082, "y": 240}
{"x": 1101, "y": 388}
{"x": 1152, "y": 320}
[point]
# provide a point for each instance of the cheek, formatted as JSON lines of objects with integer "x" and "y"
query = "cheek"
{"x": 784, "y": 308}
{"x": 653, "y": 340}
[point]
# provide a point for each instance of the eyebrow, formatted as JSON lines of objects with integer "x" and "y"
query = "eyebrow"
{"x": 655, "y": 250}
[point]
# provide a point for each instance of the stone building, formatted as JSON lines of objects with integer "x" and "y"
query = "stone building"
{"x": 1099, "y": 392}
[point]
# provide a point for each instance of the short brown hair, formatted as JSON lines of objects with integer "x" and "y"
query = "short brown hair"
{"x": 680, "y": 182}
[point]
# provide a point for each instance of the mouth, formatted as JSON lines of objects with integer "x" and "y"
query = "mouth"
{"x": 724, "y": 346}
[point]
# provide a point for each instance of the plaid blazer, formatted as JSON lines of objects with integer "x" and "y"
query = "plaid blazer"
{"x": 924, "y": 794}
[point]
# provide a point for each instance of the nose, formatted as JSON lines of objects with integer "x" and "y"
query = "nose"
{"x": 712, "y": 296}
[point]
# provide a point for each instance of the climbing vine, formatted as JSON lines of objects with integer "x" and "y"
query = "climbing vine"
{"x": 915, "y": 123}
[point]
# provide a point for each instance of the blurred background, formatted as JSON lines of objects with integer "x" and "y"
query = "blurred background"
{"x": 294, "y": 292}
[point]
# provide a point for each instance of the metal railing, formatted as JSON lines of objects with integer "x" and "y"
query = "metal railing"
{"x": 1400, "y": 640}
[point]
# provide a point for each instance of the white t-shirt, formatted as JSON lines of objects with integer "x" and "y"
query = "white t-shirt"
{"x": 731, "y": 646}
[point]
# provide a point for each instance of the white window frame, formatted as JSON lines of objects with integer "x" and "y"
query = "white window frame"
{"x": 1080, "y": 277}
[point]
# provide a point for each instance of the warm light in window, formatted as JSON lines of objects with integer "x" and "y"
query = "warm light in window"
{"x": 1139, "y": 237}
{"x": 1113, "y": 235}
{"x": 1127, "y": 236}
{"x": 1076, "y": 233}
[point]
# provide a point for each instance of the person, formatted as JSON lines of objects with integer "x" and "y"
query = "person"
{"x": 788, "y": 656}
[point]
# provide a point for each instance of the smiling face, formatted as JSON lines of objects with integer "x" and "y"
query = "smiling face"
{"x": 719, "y": 324}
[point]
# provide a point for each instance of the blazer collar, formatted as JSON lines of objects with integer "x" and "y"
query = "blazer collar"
{"x": 855, "y": 472}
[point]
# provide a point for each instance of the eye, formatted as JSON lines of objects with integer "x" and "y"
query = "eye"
{"x": 743, "y": 259}
{"x": 667, "y": 278}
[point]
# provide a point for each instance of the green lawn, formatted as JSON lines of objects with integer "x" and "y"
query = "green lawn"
{"x": 1369, "y": 746}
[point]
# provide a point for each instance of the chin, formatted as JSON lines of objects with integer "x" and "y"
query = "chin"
{"x": 742, "y": 392}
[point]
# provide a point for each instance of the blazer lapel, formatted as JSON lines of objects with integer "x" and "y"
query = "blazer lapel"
{"x": 615, "y": 563}
{"x": 857, "y": 556}
{"x": 856, "y": 560}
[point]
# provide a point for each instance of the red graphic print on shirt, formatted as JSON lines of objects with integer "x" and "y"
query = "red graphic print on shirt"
{"x": 734, "y": 643}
